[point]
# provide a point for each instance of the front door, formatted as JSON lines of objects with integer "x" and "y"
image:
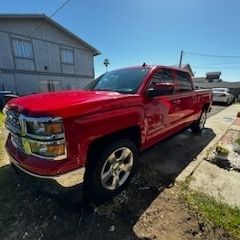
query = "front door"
{"x": 163, "y": 111}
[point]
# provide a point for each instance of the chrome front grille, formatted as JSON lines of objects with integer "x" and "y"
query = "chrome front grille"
{"x": 17, "y": 141}
{"x": 13, "y": 122}
{"x": 14, "y": 127}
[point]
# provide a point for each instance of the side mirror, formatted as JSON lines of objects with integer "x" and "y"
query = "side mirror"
{"x": 161, "y": 89}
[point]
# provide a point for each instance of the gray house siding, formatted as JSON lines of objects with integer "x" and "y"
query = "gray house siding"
{"x": 26, "y": 75}
{"x": 8, "y": 81}
{"x": 45, "y": 55}
{"x": 46, "y": 31}
{"x": 6, "y": 59}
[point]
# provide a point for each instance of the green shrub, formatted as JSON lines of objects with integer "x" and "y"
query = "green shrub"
{"x": 221, "y": 150}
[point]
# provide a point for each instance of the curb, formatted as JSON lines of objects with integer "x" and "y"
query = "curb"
{"x": 220, "y": 124}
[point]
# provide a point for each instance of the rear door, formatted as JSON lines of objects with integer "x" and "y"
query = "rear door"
{"x": 187, "y": 97}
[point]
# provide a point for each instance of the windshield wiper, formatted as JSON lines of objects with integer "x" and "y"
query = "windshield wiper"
{"x": 102, "y": 89}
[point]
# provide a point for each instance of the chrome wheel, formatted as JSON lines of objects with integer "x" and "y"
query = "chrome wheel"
{"x": 203, "y": 120}
{"x": 117, "y": 168}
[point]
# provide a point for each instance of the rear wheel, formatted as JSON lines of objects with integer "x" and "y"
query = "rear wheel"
{"x": 111, "y": 169}
{"x": 198, "y": 125}
{"x": 228, "y": 102}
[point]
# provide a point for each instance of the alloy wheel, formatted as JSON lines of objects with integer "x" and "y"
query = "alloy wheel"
{"x": 117, "y": 168}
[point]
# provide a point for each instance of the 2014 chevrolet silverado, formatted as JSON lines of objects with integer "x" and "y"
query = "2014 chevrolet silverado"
{"x": 93, "y": 136}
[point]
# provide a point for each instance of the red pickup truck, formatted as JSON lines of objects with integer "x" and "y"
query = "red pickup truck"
{"x": 93, "y": 137}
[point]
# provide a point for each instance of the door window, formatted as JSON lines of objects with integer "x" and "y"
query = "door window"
{"x": 162, "y": 76}
{"x": 184, "y": 82}
{"x": 163, "y": 82}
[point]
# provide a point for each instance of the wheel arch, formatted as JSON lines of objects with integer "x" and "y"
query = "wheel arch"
{"x": 132, "y": 133}
{"x": 206, "y": 106}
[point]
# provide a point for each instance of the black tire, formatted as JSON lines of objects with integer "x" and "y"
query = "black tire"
{"x": 198, "y": 125}
{"x": 100, "y": 160}
{"x": 228, "y": 102}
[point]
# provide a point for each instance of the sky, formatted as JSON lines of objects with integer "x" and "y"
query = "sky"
{"x": 130, "y": 32}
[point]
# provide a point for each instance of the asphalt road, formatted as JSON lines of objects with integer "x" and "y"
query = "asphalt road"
{"x": 216, "y": 109}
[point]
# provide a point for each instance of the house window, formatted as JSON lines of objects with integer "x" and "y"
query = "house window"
{"x": 67, "y": 56}
{"x": 22, "y": 48}
{"x": 50, "y": 86}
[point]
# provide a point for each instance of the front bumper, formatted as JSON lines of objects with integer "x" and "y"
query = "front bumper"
{"x": 69, "y": 195}
{"x": 65, "y": 180}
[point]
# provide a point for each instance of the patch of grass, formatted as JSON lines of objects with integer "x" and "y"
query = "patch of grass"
{"x": 238, "y": 140}
{"x": 218, "y": 213}
{"x": 1, "y": 119}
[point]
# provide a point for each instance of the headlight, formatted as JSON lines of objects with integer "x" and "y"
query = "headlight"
{"x": 45, "y": 137}
{"x": 45, "y": 127}
{"x": 48, "y": 149}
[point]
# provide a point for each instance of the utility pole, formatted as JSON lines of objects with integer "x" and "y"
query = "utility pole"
{"x": 180, "y": 62}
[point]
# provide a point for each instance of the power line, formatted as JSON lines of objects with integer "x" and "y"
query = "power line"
{"x": 222, "y": 68}
{"x": 210, "y": 55}
{"x": 62, "y": 6}
{"x": 54, "y": 13}
{"x": 216, "y": 64}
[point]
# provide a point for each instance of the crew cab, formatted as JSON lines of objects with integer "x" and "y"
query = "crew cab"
{"x": 93, "y": 137}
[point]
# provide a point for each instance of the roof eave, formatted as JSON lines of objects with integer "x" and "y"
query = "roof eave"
{"x": 43, "y": 16}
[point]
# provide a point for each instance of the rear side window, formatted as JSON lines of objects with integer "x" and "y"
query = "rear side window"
{"x": 184, "y": 82}
{"x": 162, "y": 76}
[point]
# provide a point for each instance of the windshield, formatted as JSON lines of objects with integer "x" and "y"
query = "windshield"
{"x": 124, "y": 80}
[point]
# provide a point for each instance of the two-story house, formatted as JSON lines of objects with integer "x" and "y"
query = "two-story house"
{"x": 37, "y": 54}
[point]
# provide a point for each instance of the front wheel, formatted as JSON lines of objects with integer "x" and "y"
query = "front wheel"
{"x": 111, "y": 169}
{"x": 198, "y": 125}
{"x": 228, "y": 102}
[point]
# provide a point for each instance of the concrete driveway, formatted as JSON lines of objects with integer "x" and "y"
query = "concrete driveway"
{"x": 216, "y": 108}
{"x": 170, "y": 157}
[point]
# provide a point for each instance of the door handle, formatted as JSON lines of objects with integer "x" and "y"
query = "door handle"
{"x": 177, "y": 101}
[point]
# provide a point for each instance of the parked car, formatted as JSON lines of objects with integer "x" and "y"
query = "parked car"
{"x": 222, "y": 95}
{"x": 5, "y": 96}
{"x": 93, "y": 137}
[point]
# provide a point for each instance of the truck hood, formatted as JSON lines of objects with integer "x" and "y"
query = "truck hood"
{"x": 72, "y": 103}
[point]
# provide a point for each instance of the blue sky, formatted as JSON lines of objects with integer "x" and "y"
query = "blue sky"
{"x": 130, "y": 32}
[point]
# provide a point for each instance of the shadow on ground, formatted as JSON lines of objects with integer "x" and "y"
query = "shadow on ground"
{"x": 26, "y": 214}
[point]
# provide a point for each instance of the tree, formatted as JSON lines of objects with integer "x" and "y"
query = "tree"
{"x": 106, "y": 63}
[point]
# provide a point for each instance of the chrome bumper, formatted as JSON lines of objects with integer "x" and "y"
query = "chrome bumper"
{"x": 65, "y": 180}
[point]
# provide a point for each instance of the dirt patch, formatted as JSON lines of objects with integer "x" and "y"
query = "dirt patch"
{"x": 145, "y": 210}
{"x": 169, "y": 218}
